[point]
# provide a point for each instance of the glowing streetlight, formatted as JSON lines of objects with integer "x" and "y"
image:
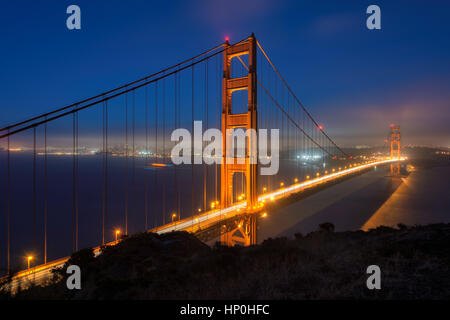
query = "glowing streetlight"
{"x": 174, "y": 215}
{"x": 295, "y": 180}
{"x": 307, "y": 177}
{"x": 264, "y": 189}
{"x": 281, "y": 184}
{"x": 29, "y": 258}
{"x": 117, "y": 233}
{"x": 264, "y": 215}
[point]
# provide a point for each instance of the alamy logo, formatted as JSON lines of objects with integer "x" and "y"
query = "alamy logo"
{"x": 241, "y": 146}
{"x": 74, "y": 20}
{"x": 74, "y": 280}
{"x": 374, "y": 280}
{"x": 374, "y": 20}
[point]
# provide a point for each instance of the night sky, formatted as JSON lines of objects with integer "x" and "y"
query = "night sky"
{"x": 355, "y": 81}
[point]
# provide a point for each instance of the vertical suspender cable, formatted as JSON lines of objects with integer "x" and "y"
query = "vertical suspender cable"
{"x": 45, "y": 193}
{"x": 164, "y": 173}
{"x": 103, "y": 175}
{"x": 217, "y": 114}
{"x": 205, "y": 173}
{"x": 156, "y": 150}
{"x": 75, "y": 181}
{"x": 126, "y": 164}
{"x": 179, "y": 125}
{"x": 133, "y": 160}
{"x": 8, "y": 253}
{"x": 73, "y": 187}
{"x": 146, "y": 157}
{"x": 176, "y": 126}
{"x": 106, "y": 160}
{"x": 34, "y": 193}
{"x": 192, "y": 141}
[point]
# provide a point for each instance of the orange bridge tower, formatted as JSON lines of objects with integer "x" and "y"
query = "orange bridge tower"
{"x": 245, "y": 231}
{"x": 395, "y": 150}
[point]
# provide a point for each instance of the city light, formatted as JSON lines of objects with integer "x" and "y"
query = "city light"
{"x": 117, "y": 233}
{"x": 174, "y": 215}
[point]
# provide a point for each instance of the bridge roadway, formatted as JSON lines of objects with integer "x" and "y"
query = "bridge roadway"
{"x": 40, "y": 273}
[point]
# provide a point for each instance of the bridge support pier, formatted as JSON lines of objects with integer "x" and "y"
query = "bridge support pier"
{"x": 243, "y": 233}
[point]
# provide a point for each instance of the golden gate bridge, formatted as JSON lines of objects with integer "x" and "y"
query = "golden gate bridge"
{"x": 121, "y": 179}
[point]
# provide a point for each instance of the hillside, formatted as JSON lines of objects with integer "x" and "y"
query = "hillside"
{"x": 415, "y": 264}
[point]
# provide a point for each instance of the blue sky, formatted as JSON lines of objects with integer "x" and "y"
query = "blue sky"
{"x": 355, "y": 81}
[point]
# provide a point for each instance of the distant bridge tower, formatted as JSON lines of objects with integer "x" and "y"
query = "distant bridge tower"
{"x": 247, "y": 120}
{"x": 395, "y": 149}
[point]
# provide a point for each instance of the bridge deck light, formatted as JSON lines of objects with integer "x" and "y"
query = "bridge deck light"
{"x": 264, "y": 189}
{"x": 199, "y": 210}
{"x": 295, "y": 180}
{"x": 307, "y": 177}
{"x": 117, "y": 233}
{"x": 282, "y": 184}
{"x": 264, "y": 215}
{"x": 317, "y": 174}
{"x": 326, "y": 172}
{"x": 29, "y": 258}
